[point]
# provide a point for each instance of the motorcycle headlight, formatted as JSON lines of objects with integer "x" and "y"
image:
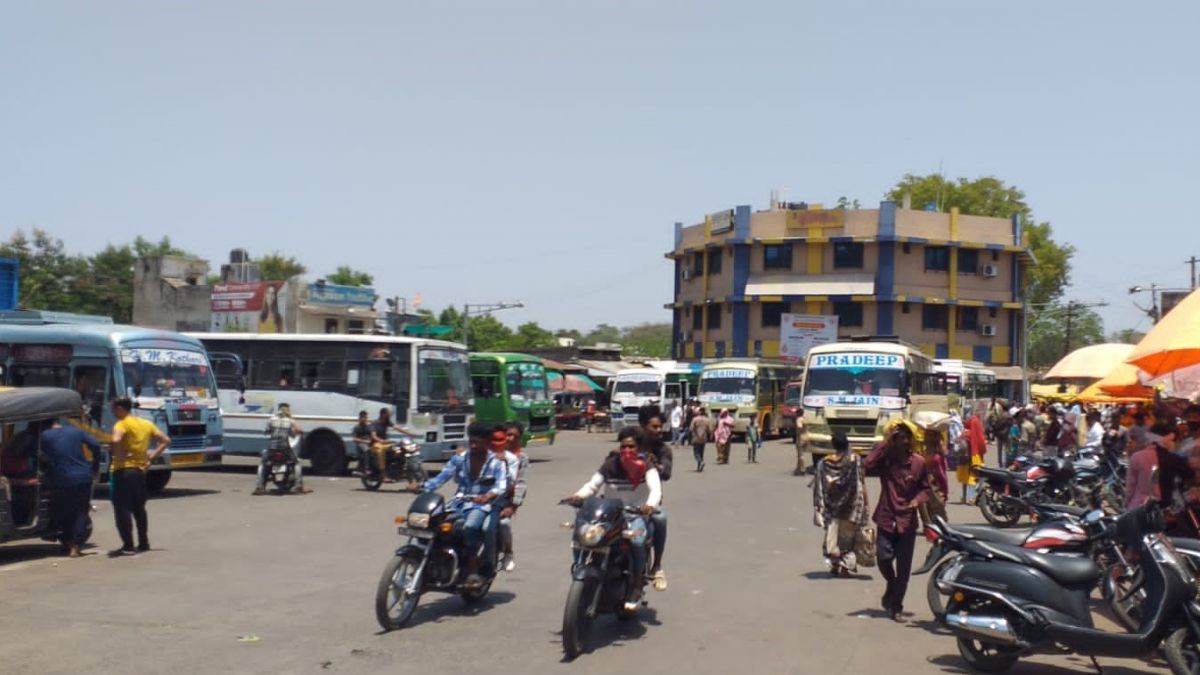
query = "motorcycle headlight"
{"x": 408, "y": 445}
{"x": 592, "y": 534}
{"x": 418, "y": 521}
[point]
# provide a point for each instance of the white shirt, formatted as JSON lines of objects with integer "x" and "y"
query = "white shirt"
{"x": 648, "y": 492}
{"x": 1095, "y": 434}
{"x": 676, "y": 418}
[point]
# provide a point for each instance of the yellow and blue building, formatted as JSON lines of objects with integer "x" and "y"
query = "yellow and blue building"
{"x": 948, "y": 282}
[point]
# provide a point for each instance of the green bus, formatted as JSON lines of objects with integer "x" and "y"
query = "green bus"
{"x": 513, "y": 388}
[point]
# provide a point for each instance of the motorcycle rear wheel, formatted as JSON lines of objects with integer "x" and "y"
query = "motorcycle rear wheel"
{"x": 473, "y": 597}
{"x": 995, "y": 516}
{"x": 933, "y": 595}
{"x": 577, "y": 625}
{"x": 1182, "y": 650}
{"x": 391, "y": 595}
{"x": 985, "y": 657}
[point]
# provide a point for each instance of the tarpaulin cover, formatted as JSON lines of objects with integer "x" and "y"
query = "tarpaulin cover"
{"x": 38, "y": 403}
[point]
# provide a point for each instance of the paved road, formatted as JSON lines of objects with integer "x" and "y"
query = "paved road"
{"x": 298, "y": 573}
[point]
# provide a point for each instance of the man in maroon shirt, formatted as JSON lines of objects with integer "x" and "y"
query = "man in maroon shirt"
{"x": 904, "y": 485}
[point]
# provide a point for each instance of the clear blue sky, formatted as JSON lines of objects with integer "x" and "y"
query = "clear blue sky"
{"x": 541, "y": 151}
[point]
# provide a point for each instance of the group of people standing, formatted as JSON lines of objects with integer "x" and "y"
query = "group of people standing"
{"x": 691, "y": 425}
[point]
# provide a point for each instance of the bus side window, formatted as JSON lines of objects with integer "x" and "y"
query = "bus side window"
{"x": 353, "y": 376}
{"x": 90, "y": 383}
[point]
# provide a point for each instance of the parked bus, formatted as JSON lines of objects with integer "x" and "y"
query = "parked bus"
{"x": 166, "y": 374}
{"x": 513, "y": 388}
{"x": 791, "y": 405}
{"x": 970, "y": 384}
{"x": 753, "y": 388}
{"x": 857, "y": 386}
{"x": 661, "y": 382}
{"x": 329, "y": 379}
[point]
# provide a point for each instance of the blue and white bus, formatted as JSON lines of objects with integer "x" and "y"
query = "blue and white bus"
{"x": 328, "y": 379}
{"x": 166, "y": 374}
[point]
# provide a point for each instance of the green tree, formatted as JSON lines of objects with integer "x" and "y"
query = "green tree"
{"x": 530, "y": 335}
{"x": 1046, "y": 281}
{"x": 602, "y": 333}
{"x": 348, "y": 276}
{"x": 143, "y": 247}
{"x": 568, "y": 333}
{"x": 112, "y": 281}
{"x": 1048, "y": 333}
{"x": 487, "y": 333}
{"x": 1127, "y": 336}
{"x": 278, "y": 267}
{"x": 651, "y": 340}
{"x": 51, "y": 278}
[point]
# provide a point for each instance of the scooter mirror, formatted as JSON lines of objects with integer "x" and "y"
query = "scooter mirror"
{"x": 1093, "y": 517}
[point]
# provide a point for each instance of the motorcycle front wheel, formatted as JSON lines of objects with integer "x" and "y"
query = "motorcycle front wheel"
{"x": 394, "y": 605}
{"x": 371, "y": 479}
{"x": 994, "y": 513}
{"x": 1182, "y": 650}
{"x": 577, "y": 624}
{"x": 933, "y": 594}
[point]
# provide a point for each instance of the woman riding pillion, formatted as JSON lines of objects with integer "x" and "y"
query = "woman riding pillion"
{"x": 840, "y": 504}
{"x": 628, "y": 474}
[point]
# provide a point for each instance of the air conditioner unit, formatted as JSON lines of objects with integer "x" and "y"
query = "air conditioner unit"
{"x": 988, "y": 330}
{"x": 990, "y": 270}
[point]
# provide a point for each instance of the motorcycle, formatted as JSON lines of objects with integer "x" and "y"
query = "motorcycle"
{"x": 1008, "y": 601}
{"x": 600, "y": 568}
{"x": 1004, "y": 496}
{"x": 1101, "y": 473}
{"x": 432, "y": 559}
{"x": 401, "y": 460}
{"x": 281, "y": 465}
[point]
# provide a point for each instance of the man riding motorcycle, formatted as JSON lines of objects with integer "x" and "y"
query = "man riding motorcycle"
{"x": 280, "y": 430}
{"x": 628, "y": 474}
{"x": 481, "y": 479}
{"x": 380, "y": 446}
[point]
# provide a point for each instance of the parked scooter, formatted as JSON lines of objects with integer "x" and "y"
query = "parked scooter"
{"x": 1007, "y": 601}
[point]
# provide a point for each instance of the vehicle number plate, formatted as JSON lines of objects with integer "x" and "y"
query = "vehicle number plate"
{"x": 419, "y": 534}
{"x": 187, "y": 459}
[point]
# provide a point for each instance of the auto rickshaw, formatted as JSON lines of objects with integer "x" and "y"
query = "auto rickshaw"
{"x": 24, "y": 499}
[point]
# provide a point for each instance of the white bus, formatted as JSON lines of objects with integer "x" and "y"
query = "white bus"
{"x": 661, "y": 382}
{"x": 970, "y": 384}
{"x": 856, "y": 387}
{"x": 329, "y": 379}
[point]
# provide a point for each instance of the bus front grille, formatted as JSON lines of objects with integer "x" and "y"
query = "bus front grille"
{"x": 859, "y": 428}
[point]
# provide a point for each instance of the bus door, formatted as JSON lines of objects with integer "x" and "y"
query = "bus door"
{"x": 92, "y": 380}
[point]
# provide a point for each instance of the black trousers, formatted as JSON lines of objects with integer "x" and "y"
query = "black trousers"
{"x": 129, "y": 506}
{"x": 895, "y": 556}
{"x": 69, "y": 508}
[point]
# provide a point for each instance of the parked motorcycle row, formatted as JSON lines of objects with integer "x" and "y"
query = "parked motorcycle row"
{"x": 1007, "y": 593}
{"x": 1091, "y": 475}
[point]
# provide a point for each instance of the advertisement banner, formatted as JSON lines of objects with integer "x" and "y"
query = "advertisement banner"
{"x": 799, "y": 333}
{"x": 346, "y": 296}
{"x": 254, "y": 307}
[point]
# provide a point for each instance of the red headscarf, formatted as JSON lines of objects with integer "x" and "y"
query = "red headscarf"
{"x": 634, "y": 465}
{"x": 499, "y": 441}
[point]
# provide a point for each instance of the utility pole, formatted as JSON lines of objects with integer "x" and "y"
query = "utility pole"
{"x": 1152, "y": 311}
{"x": 482, "y": 308}
{"x": 1072, "y": 307}
{"x": 1192, "y": 263}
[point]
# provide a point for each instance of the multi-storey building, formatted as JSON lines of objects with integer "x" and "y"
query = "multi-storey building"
{"x": 948, "y": 282}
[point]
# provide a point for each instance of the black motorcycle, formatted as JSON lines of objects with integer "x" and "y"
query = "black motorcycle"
{"x": 401, "y": 461}
{"x": 281, "y": 465}
{"x": 600, "y": 569}
{"x": 432, "y": 559}
{"x": 1007, "y": 601}
{"x": 1005, "y": 495}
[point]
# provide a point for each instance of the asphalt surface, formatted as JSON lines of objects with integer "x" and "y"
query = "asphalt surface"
{"x": 271, "y": 584}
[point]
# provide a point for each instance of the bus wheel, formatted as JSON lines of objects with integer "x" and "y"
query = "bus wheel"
{"x": 327, "y": 453}
{"x": 156, "y": 481}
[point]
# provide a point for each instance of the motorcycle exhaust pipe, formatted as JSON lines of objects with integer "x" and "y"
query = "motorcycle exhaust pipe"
{"x": 991, "y": 628}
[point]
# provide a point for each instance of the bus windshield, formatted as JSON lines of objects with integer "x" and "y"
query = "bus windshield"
{"x": 526, "y": 383}
{"x": 443, "y": 378}
{"x": 728, "y": 382}
{"x": 637, "y": 387}
{"x": 167, "y": 373}
{"x": 854, "y": 374}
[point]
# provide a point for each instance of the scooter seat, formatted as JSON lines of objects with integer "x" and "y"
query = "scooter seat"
{"x": 1064, "y": 509}
{"x": 1013, "y": 537}
{"x": 1065, "y": 569}
{"x": 999, "y": 474}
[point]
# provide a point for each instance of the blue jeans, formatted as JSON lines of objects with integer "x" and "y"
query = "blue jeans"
{"x": 677, "y": 436}
{"x": 480, "y": 526}
{"x": 659, "y": 520}
{"x": 637, "y": 550}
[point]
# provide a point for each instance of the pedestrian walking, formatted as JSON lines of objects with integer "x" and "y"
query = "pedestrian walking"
{"x": 676, "y": 424}
{"x": 701, "y": 432}
{"x": 934, "y": 451}
{"x": 724, "y": 436}
{"x": 589, "y": 414}
{"x": 753, "y": 442}
{"x": 975, "y": 450}
{"x": 131, "y": 459}
{"x": 840, "y": 505}
{"x": 904, "y": 486}
{"x": 71, "y": 459}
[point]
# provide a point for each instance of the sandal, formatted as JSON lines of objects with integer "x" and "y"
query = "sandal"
{"x": 660, "y": 580}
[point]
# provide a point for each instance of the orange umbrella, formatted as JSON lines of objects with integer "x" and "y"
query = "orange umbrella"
{"x": 1123, "y": 382}
{"x": 1089, "y": 363}
{"x": 1173, "y": 343}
